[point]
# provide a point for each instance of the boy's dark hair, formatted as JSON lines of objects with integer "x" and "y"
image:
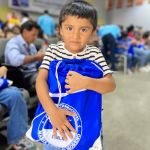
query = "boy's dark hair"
{"x": 29, "y": 25}
{"x": 80, "y": 9}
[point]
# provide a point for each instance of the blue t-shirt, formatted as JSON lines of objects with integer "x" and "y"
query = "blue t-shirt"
{"x": 47, "y": 24}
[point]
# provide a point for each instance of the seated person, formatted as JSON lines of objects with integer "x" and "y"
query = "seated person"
{"x": 109, "y": 35}
{"x": 124, "y": 44}
{"x": 20, "y": 51}
{"x": 142, "y": 52}
{"x": 12, "y": 98}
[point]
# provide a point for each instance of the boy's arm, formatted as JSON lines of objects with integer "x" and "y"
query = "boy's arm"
{"x": 102, "y": 85}
{"x": 76, "y": 81}
{"x": 57, "y": 116}
{"x": 42, "y": 91}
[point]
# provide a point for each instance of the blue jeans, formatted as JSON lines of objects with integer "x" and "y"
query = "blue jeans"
{"x": 143, "y": 56}
{"x": 13, "y": 99}
{"x": 48, "y": 147}
{"x": 132, "y": 61}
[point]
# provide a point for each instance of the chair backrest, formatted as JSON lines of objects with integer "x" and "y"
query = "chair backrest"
{"x": 3, "y": 42}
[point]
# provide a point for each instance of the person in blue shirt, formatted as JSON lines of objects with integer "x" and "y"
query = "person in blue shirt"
{"x": 20, "y": 51}
{"x": 109, "y": 35}
{"x": 113, "y": 29}
{"x": 47, "y": 24}
{"x": 1, "y": 24}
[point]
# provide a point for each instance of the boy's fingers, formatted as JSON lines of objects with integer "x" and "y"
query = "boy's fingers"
{"x": 67, "y": 77}
{"x": 69, "y": 113}
{"x": 69, "y": 126}
{"x": 69, "y": 91}
{"x": 54, "y": 132}
{"x": 67, "y": 81}
{"x": 62, "y": 133}
{"x": 67, "y": 132}
{"x": 70, "y": 73}
{"x": 67, "y": 86}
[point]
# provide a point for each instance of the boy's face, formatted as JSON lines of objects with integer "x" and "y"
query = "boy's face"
{"x": 76, "y": 33}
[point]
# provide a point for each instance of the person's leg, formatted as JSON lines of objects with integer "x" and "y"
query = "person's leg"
{"x": 48, "y": 147}
{"x": 141, "y": 55}
{"x": 129, "y": 61}
{"x": 147, "y": 56}
{"x": 13, "y": 99}
{"x": 30, "y": 83}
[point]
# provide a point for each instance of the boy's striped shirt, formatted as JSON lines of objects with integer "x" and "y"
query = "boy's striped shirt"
{"x": 58, "y": 52}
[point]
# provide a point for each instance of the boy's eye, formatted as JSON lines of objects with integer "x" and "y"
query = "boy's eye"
{"x": 69, "y": 28}
{"x": 84, "y": 30}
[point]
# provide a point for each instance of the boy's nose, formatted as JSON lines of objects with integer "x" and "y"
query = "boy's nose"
{"x": 76, "y": 35}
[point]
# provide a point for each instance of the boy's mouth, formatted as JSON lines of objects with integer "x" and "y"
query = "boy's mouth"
{"x": 75, "y": 42}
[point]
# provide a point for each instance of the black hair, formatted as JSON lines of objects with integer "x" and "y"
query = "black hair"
{"x": 81, "y": 9}
{"x": 124, "y": 35}
{"x": 146, "y": 35}
{"x": 46, "y": 11}
{"x": 130, "y": 28}
{"x": 29, "y": 25}
{"x": 25, "y": 14}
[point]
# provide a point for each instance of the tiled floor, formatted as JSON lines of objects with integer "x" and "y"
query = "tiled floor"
{"x": 126, "y": 115}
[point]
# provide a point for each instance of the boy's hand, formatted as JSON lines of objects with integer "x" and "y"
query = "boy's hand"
{"x": 60, "y": 122}
{"x": 75, "y": 82}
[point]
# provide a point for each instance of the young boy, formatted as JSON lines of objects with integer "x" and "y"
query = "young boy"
{"x": 78, "y": 22}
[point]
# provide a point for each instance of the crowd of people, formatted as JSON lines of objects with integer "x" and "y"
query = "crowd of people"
{"x": 19, "y": 51}
{"x": 11, "y": 26}
{"x": 132, "y": 42}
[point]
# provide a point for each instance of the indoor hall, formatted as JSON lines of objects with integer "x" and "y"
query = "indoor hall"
{"x": 121, "y": 47}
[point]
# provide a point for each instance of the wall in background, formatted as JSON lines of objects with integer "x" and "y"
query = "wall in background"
{"x": 4, "y": 10}
{"x": 100, "y": 7}
{"x": 38, "y": 6}
{"x": 136, "y": 15}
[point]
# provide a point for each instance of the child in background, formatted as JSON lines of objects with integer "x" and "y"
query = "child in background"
{"x": 77, "y": 22}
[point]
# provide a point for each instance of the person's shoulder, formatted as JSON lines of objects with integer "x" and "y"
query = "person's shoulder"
{"x": 13, "y": 41}
{"x": 15, "y": 38}
{"x": 56, "y": 47}
{"x": 41, "y": 16}
{"x": 50, "y": 17}
{"x": 91, "y": 48}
